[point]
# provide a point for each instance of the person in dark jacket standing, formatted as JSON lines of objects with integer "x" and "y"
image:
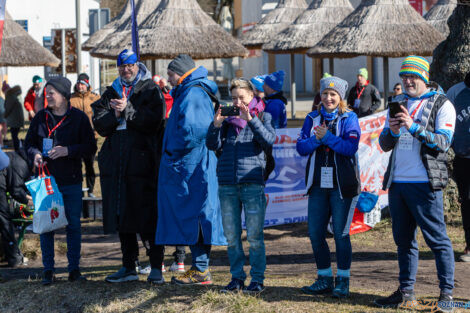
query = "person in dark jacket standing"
{"x": 12, "y": 180}
{"x": 60, "y": 136}
{"x": 330, "y": 137}
{"x": 130, "y": 114}
{"x": 82, "y": 99}
{"x": 459, "y": 95}
{"x": 14, "y": 114}
{"x": 418, "y": 137}
{"x": 364, "y": 98}
{"x": 274, "y": 98}
{"x": 243, "y": 141}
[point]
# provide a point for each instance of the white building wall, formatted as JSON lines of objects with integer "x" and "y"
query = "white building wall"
{"x": 42, "y": 16}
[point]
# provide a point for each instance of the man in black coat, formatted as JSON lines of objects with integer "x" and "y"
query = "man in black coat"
{"x": 12, "y": 180}
{"x": 130, "y": 114}
{"x": 364, "y": 98}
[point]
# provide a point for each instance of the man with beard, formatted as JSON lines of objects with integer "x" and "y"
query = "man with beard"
{"x": 130, "y": 114}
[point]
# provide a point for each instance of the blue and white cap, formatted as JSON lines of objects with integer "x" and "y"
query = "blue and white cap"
{"x": 126, "y": 57}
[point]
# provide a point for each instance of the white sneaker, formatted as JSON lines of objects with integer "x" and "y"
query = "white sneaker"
{"x": 466, "y": 256}
{"x": 177, "y": 267}
{"x": 145, "y": 271}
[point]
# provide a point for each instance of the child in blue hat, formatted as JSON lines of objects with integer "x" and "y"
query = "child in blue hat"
{"x": 274, "y": 98}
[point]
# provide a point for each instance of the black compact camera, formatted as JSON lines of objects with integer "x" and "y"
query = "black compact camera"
{"x": 395, "y": 107}
{"x": 230, "y": 110}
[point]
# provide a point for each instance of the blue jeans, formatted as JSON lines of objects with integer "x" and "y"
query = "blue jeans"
{"x": 200, "y": 254}
{"x": 72, "y": 195}
{"x": 252, "y": 199}
{"x": 320, "y": 202}
{"x": 413, "y": 205}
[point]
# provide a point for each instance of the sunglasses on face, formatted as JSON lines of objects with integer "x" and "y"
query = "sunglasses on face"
{"x": 396, "y": 88}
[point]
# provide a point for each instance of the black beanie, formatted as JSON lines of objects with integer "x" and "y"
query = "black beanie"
{"x": 62, "y": 85}
{"x": 181, "y": 64}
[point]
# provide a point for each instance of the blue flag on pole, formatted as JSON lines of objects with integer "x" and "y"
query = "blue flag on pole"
{"x": 135, "y": 31}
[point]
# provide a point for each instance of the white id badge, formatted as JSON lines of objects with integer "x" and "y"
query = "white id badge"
{"x": 405, "y": 142}
{"x": 46, "y": 146}
{"x": 326, "y": 180}
{"x": 357, "y": 103}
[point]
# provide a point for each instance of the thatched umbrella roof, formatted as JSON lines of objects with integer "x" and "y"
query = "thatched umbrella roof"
{"x": 439, "y": 14}
{"x": 177, "y": 26}
{"x": 20, "y": 49}
{"x": 451, "y": 58}
{"x": 273, "y": 23}
{"x": 122, "y": 31}
{"x": 109, "y": 28}
{"x": 314, "y": 23}
{"x": 379, "y": 28}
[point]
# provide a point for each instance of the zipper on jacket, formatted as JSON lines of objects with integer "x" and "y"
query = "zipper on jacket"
{"x": 336, "y": 165}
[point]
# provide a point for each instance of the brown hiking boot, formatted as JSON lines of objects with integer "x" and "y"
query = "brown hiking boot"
{"x": 193, "y": 277}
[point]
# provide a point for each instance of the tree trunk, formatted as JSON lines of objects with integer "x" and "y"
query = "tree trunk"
{"x": 450, "y": 59}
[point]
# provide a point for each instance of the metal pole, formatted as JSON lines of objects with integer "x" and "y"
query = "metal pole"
{"x": 332, "y": 66}
{"x": 386, "y": 83}
{"x": 292, "y": 86}
{"x": 79, "y": 36}
{"x": 64, "y": 73}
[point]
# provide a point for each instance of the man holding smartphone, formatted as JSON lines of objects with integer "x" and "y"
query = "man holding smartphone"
{"x": 419, "y": 137}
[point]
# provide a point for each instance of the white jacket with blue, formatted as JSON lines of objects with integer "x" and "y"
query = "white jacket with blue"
{"x": 344, "y": 145}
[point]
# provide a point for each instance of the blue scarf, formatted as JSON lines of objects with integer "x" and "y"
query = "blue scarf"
{"x": 329, "y": 116}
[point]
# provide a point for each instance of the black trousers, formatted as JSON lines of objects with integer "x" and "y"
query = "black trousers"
{"x": 9, "y": 243}
{"x": 90, "y": 173}
{"x": 462, "y": 178}
{"x": 179, "y": 254}
{"x": 130, "y": 249}
{"x": 14, "y": 136}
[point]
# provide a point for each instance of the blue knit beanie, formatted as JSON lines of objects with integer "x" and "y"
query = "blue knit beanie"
{"x": 258, "y": 82}
{"x": 337, "y": 84}
{"x": 126, "y": 57}
{"x": 275, "y": 80}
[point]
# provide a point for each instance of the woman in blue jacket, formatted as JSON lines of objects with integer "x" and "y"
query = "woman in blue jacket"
{"x": 242, "y": 142}
{"x": 330, "y": 137}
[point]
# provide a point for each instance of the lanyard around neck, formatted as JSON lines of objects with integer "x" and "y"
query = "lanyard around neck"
{"x": 51, "y": 131}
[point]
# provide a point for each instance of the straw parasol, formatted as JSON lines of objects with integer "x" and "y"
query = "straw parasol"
{"x": 439, "y": 14}
{"x": 275, "y": 21}
{"x": 451, "y": 58}
{"x": 109, "y": 28}
{"x": 177, "y": 26}
{"x": 380, "y": 28}
{"x": 20, "y": 49}
{"x": 307, "y": 29}
{"x": 122, "y": 31}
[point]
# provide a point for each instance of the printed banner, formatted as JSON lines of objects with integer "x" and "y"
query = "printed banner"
{"x": 285, "y": 188}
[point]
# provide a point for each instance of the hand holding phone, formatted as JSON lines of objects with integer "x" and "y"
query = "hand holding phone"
{"x": 230, "y": 110}
{"x": 395, "y": 107}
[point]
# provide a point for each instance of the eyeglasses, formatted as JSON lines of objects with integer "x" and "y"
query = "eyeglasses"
{"x": 409, "y": 77}
{"x": 396, "y": 88}
{"x": 124, "y": 66}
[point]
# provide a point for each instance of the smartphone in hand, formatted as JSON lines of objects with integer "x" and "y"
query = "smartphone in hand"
{"x": 395, "y": 107}
{"x": 230, "y": 110}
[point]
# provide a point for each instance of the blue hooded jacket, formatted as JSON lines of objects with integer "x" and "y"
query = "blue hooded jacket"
{"x": 187, "y": 184}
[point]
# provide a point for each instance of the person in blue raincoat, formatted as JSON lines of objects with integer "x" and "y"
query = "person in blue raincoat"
{"x": 188, "y": 204}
